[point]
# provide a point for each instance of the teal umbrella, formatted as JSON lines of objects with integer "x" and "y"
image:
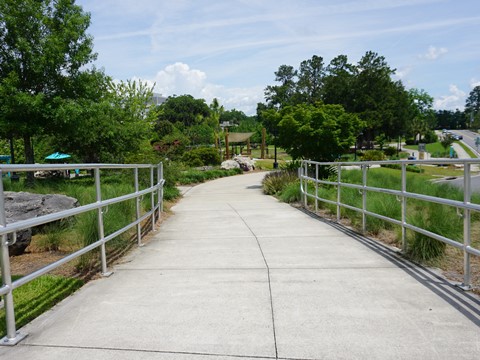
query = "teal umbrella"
{"x": 57, "y": 156}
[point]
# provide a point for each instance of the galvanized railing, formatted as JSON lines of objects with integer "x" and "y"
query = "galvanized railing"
{"x": 309, "y": 172}
{"x": 155, "y": 190}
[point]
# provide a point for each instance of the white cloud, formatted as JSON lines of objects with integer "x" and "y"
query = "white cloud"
{"x": 402, "y": 72}
{"x": 434, "y": 53}
{"x": 180, "y": 79}
{"x": 474, "y": 82}
{"x": 455, "y": 100}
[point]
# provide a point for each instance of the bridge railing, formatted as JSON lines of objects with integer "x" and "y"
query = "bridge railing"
{"x": 309, "y": 176}
{"x": 154, "y": 190}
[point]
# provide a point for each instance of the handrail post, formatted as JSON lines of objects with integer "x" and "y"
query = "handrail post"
{"x": 305, "y": 173}
{"x": 339, "y": 191}
{"x": 101, "y": 228}
{"x": 13, "y": 336}
{"x": 316, "y": 186}
{"x": 160, "y": 190}
{"x": 364, "y": 198}
{"x": 137, "y": 208}
{"x": 152, "y": 198}
{"x": 467, "y": 193}
{"x": 404, "y": 208}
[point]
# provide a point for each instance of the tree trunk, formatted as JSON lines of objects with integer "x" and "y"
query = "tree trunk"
{"x": 29, "y": 158}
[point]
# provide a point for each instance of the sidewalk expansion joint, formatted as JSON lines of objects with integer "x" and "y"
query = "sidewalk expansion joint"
{"x": 233, "y": 356}
{"x": 268, "y": 276}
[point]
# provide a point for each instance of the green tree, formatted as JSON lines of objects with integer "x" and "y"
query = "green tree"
{"x": 311, "y": 77}
{"x": 422, "y": 114}
{"x": 472, "y": 107}
{"x": 184, "y": 111}
{"x": 43, "y": 49}
{"x": 338, "y": 83}
{"x": 278, "y": 96}
{"x": 374, "y": 95}
{"x": 316, "y": 132}
{"x": 110, "y": 125}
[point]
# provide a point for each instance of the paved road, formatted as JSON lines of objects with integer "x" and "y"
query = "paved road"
{"x": 458, "y": 182}
{"x": 234, "y": 274}
{"x": 469, "y": 139}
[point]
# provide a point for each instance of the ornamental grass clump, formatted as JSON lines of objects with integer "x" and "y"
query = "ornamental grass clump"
{"x": 275, "y": 182}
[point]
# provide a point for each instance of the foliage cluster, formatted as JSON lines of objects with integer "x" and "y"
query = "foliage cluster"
{"x": 275, "y": 182}
{"x": 201, "y": 157}
{"x": 193, "y": 176}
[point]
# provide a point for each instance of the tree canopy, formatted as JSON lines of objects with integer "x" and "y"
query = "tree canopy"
{"x": 316, "y": 132}
{"x": 43, "y": 47}
{"x": 366, "y": 89}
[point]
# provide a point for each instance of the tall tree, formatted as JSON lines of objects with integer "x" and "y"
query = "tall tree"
{"x": 311, "y": 77}
{"x": 376, "y": 95}
{"x": 43, "y": 47}
{"x": 278, "y": 96}
{"x": 184, "y": 111}
{"x": 472, "y": 106}
{"x": 338, "y": 88}
{"x": 422, "y": 117}
{"x": 108, "y": 127}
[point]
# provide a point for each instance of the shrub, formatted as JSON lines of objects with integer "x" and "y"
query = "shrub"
{"x": 430, "y": 137}
{"x": 275, "y": 182}
{"x": 411, "y": 168}
{"x": 373, "y": 155}
{"x": 201, "y": 157}
{"x": 291, "y": 192}
{"x": 390, "y": 151}
{"x": 432, "y": 217}
{"x": 410, "y": 141}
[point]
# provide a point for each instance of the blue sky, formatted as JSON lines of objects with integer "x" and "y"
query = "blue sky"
{"x": 230, "y": 49}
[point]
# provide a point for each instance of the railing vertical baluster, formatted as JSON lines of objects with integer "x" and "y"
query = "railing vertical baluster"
{"x": 467, "y": 193}
{"x": 137, "y": 207}
{"x": 316, "y": 187}
{"x": 364, "y": 198}
{"x": 160, "y": 198}
{"x": 339, "y": 191}
{"x": 152, "y": 198}
{"x": 404, "y": 208}
{"x": 12, "y": 337}
{"x": 305, "y": 173}
{"x": 101, "y": 229}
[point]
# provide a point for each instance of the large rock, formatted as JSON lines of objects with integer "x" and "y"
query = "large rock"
{"x": 239, "y": 162}
{"x": 230, "y": 164}
{"x": 246, "y": 164}
{"x": 23, "y": 205}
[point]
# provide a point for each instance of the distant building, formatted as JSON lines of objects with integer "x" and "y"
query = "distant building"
{"x": 158, "y": 99}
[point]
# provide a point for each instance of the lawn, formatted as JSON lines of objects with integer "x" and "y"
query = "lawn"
{"x": 37, "y": 296}
{"x": 433, "y": 148}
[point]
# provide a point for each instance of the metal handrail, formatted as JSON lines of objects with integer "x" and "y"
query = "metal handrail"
{"x": 155, "y": 189}
{"x": 466, "y": 206}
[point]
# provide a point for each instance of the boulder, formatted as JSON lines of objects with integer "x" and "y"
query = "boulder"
{"x": 230, "y": 164}
{"x": 246, "y": 164}
{"x": 23, "y": 205}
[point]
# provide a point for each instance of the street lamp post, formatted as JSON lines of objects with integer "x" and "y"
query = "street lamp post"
{"x": 356, "y": 140}
{"x": 275, "y": 163}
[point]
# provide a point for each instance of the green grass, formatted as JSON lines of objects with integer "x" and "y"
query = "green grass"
{"x": 38, "y": 296}
{"x": 192, "y": 176}
{"x": 467, "y": 149}
{"x": 431, "y": 148}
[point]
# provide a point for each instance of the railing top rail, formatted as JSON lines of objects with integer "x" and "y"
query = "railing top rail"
{"x": 429, "y": 161}
{"x": 33, "y": 167}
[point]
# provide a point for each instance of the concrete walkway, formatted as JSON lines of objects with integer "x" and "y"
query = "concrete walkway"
{"x": 235, "y": 274}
